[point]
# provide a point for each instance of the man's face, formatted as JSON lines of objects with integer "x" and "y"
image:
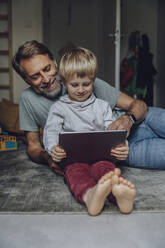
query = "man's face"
{"x": 41, "y": 74}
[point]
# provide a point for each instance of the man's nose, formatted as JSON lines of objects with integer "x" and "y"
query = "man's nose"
{"x": 45, "y": 78}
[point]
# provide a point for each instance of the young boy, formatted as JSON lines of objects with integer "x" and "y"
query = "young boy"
{"x": 80, "y": 110}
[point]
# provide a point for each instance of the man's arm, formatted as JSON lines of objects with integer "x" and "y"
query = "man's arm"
{"x": 132, "y": 106}
{"x": 37, "y": 154}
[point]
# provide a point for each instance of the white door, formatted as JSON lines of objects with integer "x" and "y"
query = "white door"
{"x": 111, "y": 41}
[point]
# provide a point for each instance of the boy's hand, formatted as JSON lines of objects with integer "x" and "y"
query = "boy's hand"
{"x": 120, "y": 152}
{"x": 58, "y": 153}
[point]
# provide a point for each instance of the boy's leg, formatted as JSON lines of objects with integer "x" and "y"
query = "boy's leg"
{"x": 83, "y": 186}
{"x": 95, "y": 197}
{"x": 99, "y": 169}
{"x": 124, "y": 192}
{"x": 78, "y": 178}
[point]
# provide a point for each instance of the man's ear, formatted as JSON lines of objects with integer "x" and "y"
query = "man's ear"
{"x": 63, "y": 82}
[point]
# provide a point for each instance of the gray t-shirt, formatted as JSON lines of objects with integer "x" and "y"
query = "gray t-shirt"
{"x": 34, "y": 108}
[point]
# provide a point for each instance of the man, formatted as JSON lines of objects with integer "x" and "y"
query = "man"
{"x": 36, "y": 65}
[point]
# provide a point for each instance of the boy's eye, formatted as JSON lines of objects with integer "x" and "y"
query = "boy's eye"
{"x": 87, "y": 84}
{"x": 74, "y": 85}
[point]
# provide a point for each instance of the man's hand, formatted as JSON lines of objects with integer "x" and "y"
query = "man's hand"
{"x": 55, "y": 167}
{"x": 58, "y": 153}
{"x": 123, "y": 122}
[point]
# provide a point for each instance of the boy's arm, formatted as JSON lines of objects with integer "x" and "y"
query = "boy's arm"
{"x": 37, "y": 154}
{"x": 108, "y": 116}
{"x": 58, "y": 153}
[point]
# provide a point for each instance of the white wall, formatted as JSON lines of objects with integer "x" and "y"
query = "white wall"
{"x": 26, "y": 25}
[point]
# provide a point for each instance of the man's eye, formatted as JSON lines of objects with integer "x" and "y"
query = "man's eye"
{"x": 46, "y": 69}
{"x": 35, "y": 77}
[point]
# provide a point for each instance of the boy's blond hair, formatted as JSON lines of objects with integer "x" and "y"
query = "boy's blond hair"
{"x": 78, "y": 61}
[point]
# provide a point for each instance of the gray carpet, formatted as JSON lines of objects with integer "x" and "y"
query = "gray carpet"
{"x": 29, "y": 187}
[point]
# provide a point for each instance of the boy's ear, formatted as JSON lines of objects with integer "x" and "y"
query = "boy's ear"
{"x": 55, "y": 63}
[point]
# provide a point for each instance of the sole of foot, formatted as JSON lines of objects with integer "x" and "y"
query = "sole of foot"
{"x": 124, "y": 192}
{"x": 95, "y": 197}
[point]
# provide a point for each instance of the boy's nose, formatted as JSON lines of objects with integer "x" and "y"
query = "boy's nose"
{"x": 81, "y": 89}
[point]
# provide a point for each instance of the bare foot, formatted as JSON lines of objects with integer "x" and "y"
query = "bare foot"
{"x": 124, "y": 192}
{"x": 95, "y": 197}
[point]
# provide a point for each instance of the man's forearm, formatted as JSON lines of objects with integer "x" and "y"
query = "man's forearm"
{"x": 38, "y": 156}
{"x": 138, "y": 109}
{"x": 42, "y": 157}
{"x": 133, "y": 107}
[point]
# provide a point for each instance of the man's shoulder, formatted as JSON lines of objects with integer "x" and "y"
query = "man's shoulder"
{"x": 30, "y": 95}
{"x": 101, "y": 83}
{"x": 28, "y": 92}
{"x": 106, "y": 92}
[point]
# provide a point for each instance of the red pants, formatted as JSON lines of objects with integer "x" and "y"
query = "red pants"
{"x": 81, "y": 177}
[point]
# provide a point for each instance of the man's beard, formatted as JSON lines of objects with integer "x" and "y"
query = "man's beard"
{"x": 56, "y": 91}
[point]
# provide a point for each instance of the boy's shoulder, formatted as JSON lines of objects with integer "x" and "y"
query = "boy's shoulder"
{"x": 101, "y": 102}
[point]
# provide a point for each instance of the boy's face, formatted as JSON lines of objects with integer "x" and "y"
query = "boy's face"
{"x": 79, "y": 89}
{"x": 41, "y": 74}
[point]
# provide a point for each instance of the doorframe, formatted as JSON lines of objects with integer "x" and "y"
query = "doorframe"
{"x": 117, "y": 44}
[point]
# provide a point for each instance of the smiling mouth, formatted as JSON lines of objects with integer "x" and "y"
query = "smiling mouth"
{"x": 50, "y": 85}
{"x": 81, "y": 95}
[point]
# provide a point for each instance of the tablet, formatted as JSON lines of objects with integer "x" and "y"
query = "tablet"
{"x": 89, "y": 147}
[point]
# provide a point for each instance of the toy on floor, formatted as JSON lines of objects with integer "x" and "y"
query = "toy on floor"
{"x": 7, "y": 142}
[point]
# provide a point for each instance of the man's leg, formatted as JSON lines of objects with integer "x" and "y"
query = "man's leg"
{"x": 147, "y": 141}
{"x": 155, "y": 119}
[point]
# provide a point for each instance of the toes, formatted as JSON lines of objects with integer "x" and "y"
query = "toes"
{"x": 117, "y": 172}
{"x": 104, "y": 178}
{"x": 115, "y": 179}
{"x": 126, "y": 182}
{"x": 110, "y": 174}
{"x": 121, "y": 180}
